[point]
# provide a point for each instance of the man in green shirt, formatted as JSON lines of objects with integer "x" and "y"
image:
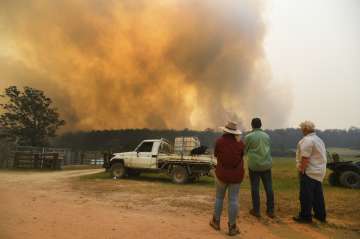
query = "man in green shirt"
{"x": 257, "y": 150}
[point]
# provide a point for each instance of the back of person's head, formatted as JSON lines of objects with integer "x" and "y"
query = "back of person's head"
{"x": 256, "y": 123}
{"x": 307, "y": 127}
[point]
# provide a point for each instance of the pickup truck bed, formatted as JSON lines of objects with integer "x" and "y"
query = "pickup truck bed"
{"x": 188, "y": 159}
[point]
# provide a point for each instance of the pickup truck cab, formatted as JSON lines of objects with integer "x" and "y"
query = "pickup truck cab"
{"x": 155, "y": 155}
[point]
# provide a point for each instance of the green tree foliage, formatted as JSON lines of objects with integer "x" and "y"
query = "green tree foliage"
{"x": 28, "y": 116}
{"x": 283, "y": 141}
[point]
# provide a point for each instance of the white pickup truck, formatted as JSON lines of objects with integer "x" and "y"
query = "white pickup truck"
{"x": 155, "y": 155}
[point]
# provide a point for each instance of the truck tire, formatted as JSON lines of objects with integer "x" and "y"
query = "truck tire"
{"x": 333, "y": 179}
{"x": 350, "y": 179}
{"x": 118, "y": 170}
{"x": 180, "y": 175}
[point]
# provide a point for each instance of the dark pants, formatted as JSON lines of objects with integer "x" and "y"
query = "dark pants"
{"x": 265, "y": 177}
{"x": 311, "y": 198}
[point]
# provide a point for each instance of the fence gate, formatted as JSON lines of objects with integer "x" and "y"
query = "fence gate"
{"x": 37, "y": 157}
{"x": 37, "y": 160}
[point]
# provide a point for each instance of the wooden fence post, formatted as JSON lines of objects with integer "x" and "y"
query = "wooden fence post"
{"x": 16, "y": 160}
{"x": 36, "y": 159}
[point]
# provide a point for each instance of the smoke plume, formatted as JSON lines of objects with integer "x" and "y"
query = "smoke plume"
{"x": 133, "y": 64}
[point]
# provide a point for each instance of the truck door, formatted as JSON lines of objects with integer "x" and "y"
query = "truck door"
{"x": 144, "y": 156}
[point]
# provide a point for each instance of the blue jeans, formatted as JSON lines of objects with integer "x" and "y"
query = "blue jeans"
{"x": 265, "y": 177}
{"x": 233, "y": 200}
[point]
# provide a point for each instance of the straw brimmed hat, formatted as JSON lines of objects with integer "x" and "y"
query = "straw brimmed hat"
{"x": 231, "y": 127}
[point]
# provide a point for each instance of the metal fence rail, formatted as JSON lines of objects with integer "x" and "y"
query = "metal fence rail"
{"x": 32, "y": 155}
{"x": 37, "y": 160}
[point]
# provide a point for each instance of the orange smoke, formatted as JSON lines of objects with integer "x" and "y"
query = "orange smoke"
{"x": 134, "y": 64}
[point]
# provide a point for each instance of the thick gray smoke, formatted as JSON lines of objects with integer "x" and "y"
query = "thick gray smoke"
{"x": 156, "y": 64}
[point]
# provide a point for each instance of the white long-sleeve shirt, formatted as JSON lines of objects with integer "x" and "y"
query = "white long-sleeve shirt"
{"x": 312, "y": 147}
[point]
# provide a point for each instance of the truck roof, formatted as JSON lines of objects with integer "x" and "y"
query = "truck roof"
{"x": 151, "y": 140}
{"x": 156, "y": 140}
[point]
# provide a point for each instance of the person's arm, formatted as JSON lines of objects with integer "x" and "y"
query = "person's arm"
{"x": 303, "y": 164}
{"x": 306, "y": 148}
{"x": 246, "y": 144}
{"x": 242, "y": 145}
{"x": 269, "y": 143}
{"x": 216, "y": 150}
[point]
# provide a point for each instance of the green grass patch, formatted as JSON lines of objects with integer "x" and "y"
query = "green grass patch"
{"x": 284, "y": 176}
{"x": 345, "y": 152}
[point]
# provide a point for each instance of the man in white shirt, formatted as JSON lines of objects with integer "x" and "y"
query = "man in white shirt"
{"x": 311, "y": 163}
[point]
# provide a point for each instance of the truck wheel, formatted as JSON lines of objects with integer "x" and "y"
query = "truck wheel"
{"x": 180, "y": 175}
{"x": 118, "y": 170}
{"x": 333, "y": 179}
{"x": 350, "y": 179}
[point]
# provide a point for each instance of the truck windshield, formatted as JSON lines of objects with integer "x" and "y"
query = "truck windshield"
{"x": 145, "y": 147}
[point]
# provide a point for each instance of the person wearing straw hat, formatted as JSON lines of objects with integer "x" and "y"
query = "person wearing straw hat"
{"x": 311, "y": 163}
{"x": 229, "y": 151}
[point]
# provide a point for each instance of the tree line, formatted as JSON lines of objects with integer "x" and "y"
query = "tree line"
{"x": 29, "y": 118}
{"x": 283, "y": 140}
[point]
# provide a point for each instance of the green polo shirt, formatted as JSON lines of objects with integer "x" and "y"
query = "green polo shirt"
{"x": 257, "y": 150}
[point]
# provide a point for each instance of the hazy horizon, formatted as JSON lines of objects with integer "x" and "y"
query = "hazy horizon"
{"x": 313, "y": 46}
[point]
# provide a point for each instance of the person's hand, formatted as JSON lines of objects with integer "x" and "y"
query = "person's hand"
{"x": 303, "y": 164}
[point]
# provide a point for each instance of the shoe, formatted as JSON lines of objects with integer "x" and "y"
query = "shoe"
{"x": 302, "y": 220}
{"x": 254, "y": 213}
{"x": 215, "y": 224}
{"x": 270, "y": 214}
{"x": 322, "y": 220}
{"x": 233, "y": 230}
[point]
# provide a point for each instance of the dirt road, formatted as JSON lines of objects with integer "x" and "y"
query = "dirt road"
{"x": 57, "y": 205}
